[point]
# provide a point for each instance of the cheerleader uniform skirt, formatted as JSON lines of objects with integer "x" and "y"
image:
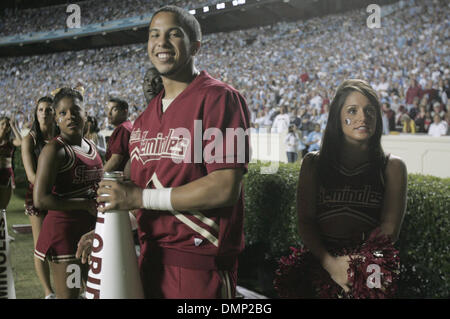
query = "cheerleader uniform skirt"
{"x": 60, "y": 233}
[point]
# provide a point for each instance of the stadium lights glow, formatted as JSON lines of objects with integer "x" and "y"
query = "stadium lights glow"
{"x": 220, "y": 6}
{"x": 206, "y": 9}
{"x": 238, "y": 2}
{"x": 192, "y": 11}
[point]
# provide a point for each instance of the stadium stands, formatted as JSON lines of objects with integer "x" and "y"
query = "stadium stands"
{"x": 297, "y": 64}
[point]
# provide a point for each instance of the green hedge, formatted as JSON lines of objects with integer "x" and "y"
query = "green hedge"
{"x": 271, "y": 226}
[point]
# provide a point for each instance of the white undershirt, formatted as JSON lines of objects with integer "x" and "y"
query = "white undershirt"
{"x": 166, "y": 103}
{"x": 85, "y": 147}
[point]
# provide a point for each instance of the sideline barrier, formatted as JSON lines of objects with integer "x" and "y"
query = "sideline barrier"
{"x": 422, "y": 154}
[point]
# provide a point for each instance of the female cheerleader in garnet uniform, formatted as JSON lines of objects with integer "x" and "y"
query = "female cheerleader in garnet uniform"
{"x": 69, "y": 169}
{"x": 350, "y": 188}
{"x": 43, "y": 130}
{"x": 7, "y": 148}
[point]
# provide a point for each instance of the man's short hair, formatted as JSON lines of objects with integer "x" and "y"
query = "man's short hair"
{"x": 187, "y": 20}
{"x": 123, "y": 105}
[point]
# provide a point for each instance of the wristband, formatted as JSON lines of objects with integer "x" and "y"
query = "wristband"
{"x": 157, "y": 199}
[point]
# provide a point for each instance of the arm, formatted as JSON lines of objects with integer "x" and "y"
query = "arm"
{"x": 220, "y": 188}
{"x": 394, "y": 203}
{"x": 127, "y": 170}
{"x": 113, "y": 163}
{"x": 306, "y": 209}
{"x": 28, "y": 159}
{"x": 308, "y": 229}
{"x": 18, "y": 137}
{"x": 50, "y": 159}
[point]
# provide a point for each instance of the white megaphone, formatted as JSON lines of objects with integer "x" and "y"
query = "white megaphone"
{"x": 7, "y": 288}
{"x": 113, "y": 268}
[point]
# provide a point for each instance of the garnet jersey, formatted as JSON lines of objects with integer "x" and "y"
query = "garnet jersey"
{"x": 6, "y": 164}
{"x": 118, "y": 143}
{"x": 166, "y": 150}
{"x": 79, "y": 176}
{"x": 349, "y": 206}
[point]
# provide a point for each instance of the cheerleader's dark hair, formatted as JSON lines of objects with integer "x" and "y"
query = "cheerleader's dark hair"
{"x": 67, "y": 92}
{"x": 333, "y": 138}
{"x": 36, "y": 129}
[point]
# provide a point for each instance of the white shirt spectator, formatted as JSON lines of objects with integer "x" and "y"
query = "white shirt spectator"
{"x": 439, "y": 129}
{"x": 291, "y": 142}
{"x": 316, "y": 102}
{"x": 280, "y": 123}
{"x": 382, "y": 88}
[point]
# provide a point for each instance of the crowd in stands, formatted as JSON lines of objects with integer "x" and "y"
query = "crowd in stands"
{"x": 287, "y": 72}
{"x": 92, "y": 11}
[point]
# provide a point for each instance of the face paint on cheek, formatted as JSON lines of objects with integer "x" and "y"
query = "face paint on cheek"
{"x": 348, "y": 121}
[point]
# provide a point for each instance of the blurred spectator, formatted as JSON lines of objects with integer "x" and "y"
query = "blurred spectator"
{"x": 438, "y": 127}
{"x": 390, "y": 115}
{"x": 421, "y": 121}
{"x": 385, "y": 124}
{"x": 399, "y": 118}
{"x": 292, "y": 143}
{"x": 414, "y": 90}
{"x": 437, "y": 109}
{"x": 433, "y": 94}
{"x": 281, "y": 121}
{"x": 313, "y": 139}
{"x": 408, "y": 124}
{"x": 93, "y": 134}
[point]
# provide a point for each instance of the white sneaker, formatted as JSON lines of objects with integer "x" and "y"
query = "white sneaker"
{"x": 50, "y": 296}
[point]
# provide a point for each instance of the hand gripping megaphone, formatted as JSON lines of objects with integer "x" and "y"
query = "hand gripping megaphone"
{"x": 113, "y": 269}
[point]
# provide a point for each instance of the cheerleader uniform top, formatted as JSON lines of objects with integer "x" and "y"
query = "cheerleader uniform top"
{"x": 80, "y": 175}
{"x": 6, "y": 164}
{"x": 29, "y": 205}
{"x": 349, "y": 206}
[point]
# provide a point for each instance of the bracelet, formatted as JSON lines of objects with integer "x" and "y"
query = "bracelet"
{"x": 157, "y": 199}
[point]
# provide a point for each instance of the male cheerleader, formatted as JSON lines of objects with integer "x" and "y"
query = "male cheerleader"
{"x": 117, "y": 148}
{"x": 190, "y": 206}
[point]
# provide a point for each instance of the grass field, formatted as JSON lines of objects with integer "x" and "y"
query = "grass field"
{"x": 21, "y": 251}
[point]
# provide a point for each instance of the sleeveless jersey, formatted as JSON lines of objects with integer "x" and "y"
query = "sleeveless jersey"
{"x": 6, "y": 164}
{"x": 79, "y": 176}
{"x": 349, "y": 206}
{"x": 167, "y": 149}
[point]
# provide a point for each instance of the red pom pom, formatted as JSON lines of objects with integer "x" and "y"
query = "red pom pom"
{"x": 373, "y": 272}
